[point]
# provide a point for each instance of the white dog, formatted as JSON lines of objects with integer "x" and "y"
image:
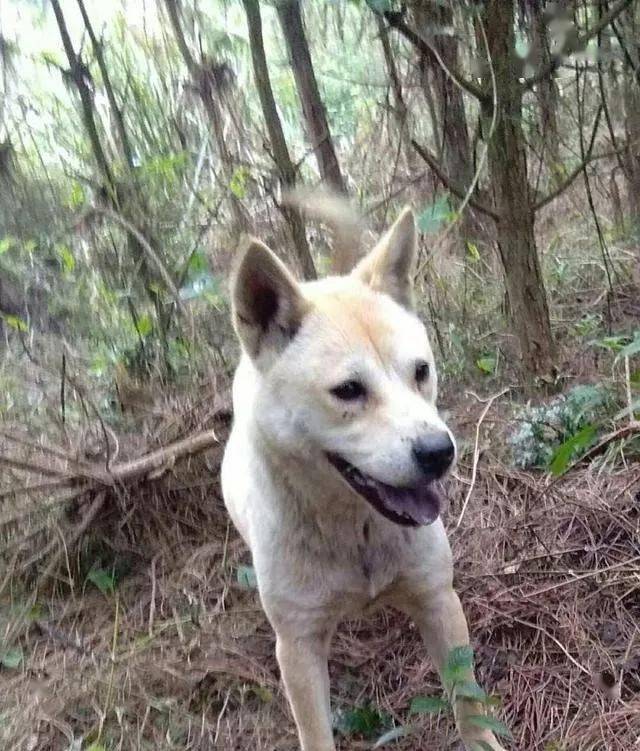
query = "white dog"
{"x": 330, "y": 467}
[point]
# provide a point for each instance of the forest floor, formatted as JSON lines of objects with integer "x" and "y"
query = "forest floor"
{"x": 147, "y": 632}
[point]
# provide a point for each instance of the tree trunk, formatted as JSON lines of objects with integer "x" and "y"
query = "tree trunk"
{"x": 451, "y": 114}
{"x": 399, "y": 108}
{"x": 318, "y": 132}
{"x": 203, "y": 76}
{"x": 508, "y": 172}
{"x": 547, "y": 95}
{"x": 279, "y": 147}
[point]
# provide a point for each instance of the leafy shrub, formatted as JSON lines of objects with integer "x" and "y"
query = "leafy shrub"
{"x": 561, "y": 428}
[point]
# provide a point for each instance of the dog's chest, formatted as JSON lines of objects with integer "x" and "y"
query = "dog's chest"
{"x": 373, "y": 563}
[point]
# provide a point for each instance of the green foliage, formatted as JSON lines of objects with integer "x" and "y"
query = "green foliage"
{"x": 11, "y": 658}
{"x": 553, "y": 434}
{"x": 103, "y": 579}
{"x": 457, "y": 676}
{"x": 15, "y": 322}
{"x": 365, "y": 721}
{"x": 246, "y": 577}
{"x": 432, "y": 218}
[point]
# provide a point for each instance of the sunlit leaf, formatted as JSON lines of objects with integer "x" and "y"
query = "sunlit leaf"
{"x": 472, "y": 251}
{"x": 238, "y": 183}
{"x": 15, "y": 322}
{"x": 486, "y": 364}
{"x": 67, "y": 258}
{"x": 144, "y": 325}
{"x": 7, "y": 243}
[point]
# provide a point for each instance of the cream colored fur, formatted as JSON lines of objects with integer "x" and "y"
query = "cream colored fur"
{"x": 322, "y": 553}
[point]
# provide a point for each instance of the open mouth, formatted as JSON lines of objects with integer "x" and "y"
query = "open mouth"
{"x": 410, "y": 506}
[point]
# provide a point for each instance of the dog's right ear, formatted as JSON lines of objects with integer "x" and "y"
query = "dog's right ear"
{"x": 268, "y": 305}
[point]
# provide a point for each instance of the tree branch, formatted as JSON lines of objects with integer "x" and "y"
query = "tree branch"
{"x": 449, "y": 184}
{"x": 580, "y": 43}
{"x": 397, "y": 22}
{"x": 559, "y": 189}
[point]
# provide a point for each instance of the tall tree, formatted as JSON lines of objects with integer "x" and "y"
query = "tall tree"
{"x": 515, "y": 202}
{"x": 319, "y": 134}
{"x": 507, "y": 159}
{"x": 281, "y": 156}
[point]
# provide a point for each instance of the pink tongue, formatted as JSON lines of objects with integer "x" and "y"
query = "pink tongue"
{"x": 421, "y": 503}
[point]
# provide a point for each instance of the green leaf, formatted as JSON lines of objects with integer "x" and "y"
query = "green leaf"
{"x": 76, "y": 197}
{"x": 428, "y": 705}
{"x": 458, "y": 666}
{"x": 402, "y": 731}
{"x": 365, "y": 721}
{"x": 434, "y": 216}
{"x": 145, "y": 325}
{"x": 96, "y": 747}
{"x": 238, "y": 183}
{"x": 7, "y": 243}
{"x": 633, "y": 348}
{"x": 15, "y": 322}
{"x": 104, "y": 580}
{"x": 246, "y": 577}
{"x": 12, "y": 658}
{"x": 563, "y": 455}
{"x": 473, "y": 252}
{"x": 67, "y": 258}
{"x": 489, "y": 723}
{"x": 470, "y": 690}
{"x": 486, "y": 364}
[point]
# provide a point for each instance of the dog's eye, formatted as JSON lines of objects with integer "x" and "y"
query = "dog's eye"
{"x": 422, "y": 371}
{"x": 349, "y": 391}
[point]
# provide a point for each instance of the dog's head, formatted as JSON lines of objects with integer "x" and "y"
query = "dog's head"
{"x": 347, "y": 376}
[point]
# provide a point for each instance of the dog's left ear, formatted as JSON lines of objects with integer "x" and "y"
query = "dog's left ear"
{"x": 389, "y": 266}
{"x": 268, "y": 305}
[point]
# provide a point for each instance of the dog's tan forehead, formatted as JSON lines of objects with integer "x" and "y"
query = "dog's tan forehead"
{"x": 358, "y": 317}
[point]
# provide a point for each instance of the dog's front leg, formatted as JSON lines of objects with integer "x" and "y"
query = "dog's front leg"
{"x": 443, "y": 626}
{"x": 303, "y": 665}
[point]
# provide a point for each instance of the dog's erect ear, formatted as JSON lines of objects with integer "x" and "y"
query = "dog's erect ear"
{"x": 389, "y": 266}
{"x": 268, "y": 305}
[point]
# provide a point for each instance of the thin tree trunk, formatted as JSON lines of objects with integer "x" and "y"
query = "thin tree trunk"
{"x": 455, "y": 145}
{"x": 399, "y": 109}
{"x": 318, "y": 132}
{"x": 286, "y": 168}
{"x": 125, "y": 145}
{"x": 204, "y": 81}
{"x": 507, "y": 161}
{"x": 547, "y": 94}
{"x": 78, "y": 74}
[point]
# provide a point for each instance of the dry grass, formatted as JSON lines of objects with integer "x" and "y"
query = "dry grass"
{"x": 180, "y": 655}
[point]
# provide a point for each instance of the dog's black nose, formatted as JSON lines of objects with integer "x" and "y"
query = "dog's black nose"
{"x": 434, "y": 453}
